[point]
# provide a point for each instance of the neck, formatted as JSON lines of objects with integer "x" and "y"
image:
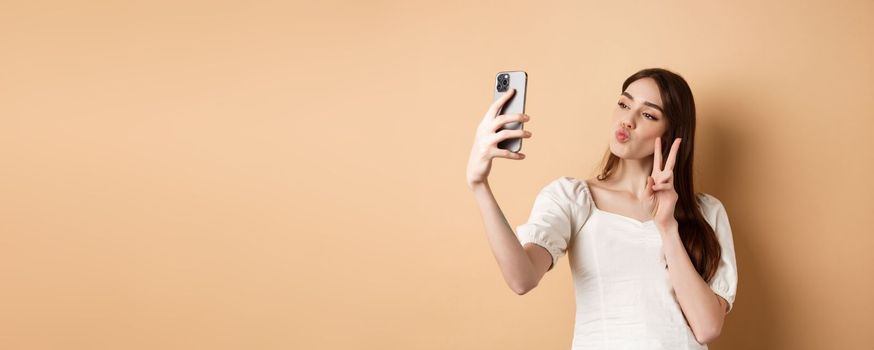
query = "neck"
{"x": 631, "y": 175}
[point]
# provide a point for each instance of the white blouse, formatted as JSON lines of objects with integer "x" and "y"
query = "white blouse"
{"x": 624, "y": 297}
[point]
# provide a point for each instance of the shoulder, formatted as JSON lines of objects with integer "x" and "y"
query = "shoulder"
{"x": 706, "y": 199}
{"x": 712, "y": 208}
{"x": 569, "y": 189}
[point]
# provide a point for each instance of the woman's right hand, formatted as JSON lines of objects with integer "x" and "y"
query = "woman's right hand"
{"x": 485, "y": 146}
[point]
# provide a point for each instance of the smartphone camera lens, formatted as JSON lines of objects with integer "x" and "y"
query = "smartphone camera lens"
{"x": 503, "y": 82}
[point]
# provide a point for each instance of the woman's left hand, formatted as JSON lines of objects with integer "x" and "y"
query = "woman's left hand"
{"x": 660, "y": 196}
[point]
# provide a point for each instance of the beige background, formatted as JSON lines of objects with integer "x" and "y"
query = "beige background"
{"x": 267, "y": 175}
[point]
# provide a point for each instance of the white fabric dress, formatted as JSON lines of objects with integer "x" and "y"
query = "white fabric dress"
{"x": 624, "y": 297}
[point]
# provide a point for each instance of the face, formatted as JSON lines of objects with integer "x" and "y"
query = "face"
{"x": 639, "y": 114}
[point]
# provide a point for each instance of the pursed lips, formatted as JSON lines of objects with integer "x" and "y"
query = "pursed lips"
{"x": 623, "y": 133}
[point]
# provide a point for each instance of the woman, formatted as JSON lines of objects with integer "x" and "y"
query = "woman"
{"x": 653, "y": 263}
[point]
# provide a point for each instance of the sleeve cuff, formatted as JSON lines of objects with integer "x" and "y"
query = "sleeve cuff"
{"x": 555, "y": 253}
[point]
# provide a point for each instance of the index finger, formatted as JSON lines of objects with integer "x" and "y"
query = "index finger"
{"x": 496, "y": 106}
{"x": 657, "y": 156}
{"x": 673, "y": 155}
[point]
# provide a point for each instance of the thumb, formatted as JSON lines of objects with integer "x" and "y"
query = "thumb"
{"x": 649, "y": 184}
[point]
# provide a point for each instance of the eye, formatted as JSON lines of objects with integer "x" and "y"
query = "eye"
{"x": 622, "y": 104}
{"x": 650, "y": 116}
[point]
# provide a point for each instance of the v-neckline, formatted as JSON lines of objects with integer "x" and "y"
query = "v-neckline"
{"x": 628, "y": 218}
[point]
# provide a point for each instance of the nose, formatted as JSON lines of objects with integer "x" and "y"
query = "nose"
{"x": 625, "y": 124}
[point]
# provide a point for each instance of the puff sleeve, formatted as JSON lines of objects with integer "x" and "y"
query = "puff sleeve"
{"x": 724, "y": 282}
{"x": 559, "y": 212}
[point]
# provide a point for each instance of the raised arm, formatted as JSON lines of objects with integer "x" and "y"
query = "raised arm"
{"x": 522, "y": 267}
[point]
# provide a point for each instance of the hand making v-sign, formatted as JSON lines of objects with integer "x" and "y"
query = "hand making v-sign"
{"x": 661, "y": 198}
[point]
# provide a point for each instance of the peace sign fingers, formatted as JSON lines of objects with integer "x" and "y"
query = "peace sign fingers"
{"x": 657, "y": 156}
{"x": 672, "y": 157}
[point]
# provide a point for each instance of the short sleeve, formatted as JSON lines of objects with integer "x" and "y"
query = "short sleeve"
{"x": 559, "y": 212}
{"x": 724, "y": 282}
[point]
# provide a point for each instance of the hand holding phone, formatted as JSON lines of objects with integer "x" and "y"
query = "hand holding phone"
{"x": 494, "y": 129}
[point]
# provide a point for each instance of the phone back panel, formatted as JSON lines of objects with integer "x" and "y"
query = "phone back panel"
{"x": 517, "y": 80}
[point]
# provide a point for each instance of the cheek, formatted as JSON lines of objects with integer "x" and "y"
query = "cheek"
{"x": 654, "y": 130}
{"x": 647, "y": 138}
{"x": 649, "y": 133}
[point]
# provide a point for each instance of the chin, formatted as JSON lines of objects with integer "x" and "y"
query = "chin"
{"x": 619, "y": 155}
{"x": 623, "y": 153}
{"x": 618, "y": 150}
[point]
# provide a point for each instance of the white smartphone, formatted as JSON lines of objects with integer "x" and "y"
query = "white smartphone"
{"x": 505, "y": 81}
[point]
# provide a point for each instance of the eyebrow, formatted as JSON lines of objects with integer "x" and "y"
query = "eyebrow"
{"x": 653, "y": 105}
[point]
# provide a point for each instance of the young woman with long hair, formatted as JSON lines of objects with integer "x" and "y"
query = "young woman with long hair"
{"x": 653, "y": 262}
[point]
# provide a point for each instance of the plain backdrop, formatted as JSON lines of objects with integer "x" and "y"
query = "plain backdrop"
{"x": 290, "y": 175}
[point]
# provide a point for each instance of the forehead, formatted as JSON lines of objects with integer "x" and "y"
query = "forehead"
{"x": 645, "y": 89}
